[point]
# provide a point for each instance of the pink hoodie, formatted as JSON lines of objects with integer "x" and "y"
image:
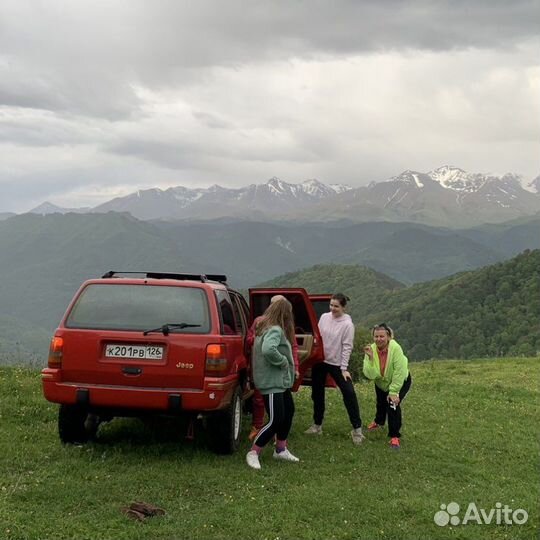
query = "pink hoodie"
{"x": 338, "y": 337}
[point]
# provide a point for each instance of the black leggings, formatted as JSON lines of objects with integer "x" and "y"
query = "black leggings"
{"x": 318, "y": 379}
{"x": 384, "y": 409}
{"x": 280, "y": 409}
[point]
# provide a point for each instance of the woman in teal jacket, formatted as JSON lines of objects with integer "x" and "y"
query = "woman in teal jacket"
{"x": 273, "y": 375}
{"x": 385, "y": 363}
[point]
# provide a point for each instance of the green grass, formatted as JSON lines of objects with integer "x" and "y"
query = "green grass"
{"x": 470, "y": 435}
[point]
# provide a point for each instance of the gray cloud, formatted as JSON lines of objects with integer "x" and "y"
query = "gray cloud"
{"x": 85, "y": 56}
{"x": 128, "y": 94}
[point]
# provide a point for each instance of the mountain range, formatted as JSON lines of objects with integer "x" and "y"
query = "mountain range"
{"x": 45, "y": 258}
{"x": 446, "y": 196}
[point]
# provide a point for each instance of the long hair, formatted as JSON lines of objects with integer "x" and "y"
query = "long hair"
{"x": 278, "y": 313}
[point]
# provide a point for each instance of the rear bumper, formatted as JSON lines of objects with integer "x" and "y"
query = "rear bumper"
{"x": 216, "y": 394}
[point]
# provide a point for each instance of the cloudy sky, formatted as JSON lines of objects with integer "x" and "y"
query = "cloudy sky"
{"x": 101, "y": 98}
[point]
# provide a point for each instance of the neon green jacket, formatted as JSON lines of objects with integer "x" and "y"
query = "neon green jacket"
{"x": 395, "y": 372}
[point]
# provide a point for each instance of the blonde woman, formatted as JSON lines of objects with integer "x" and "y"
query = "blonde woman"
{"x": 388, "y": 367}
{"x": 273, "y": 375}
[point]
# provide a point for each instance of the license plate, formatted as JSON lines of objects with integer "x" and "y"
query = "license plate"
{"x": 141, "y": 352}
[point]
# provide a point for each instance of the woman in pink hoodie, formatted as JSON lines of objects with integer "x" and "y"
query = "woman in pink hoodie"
{"x": 337, "y": 331}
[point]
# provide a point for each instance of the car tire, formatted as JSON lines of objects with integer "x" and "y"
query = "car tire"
{"x": 72, "y": 424}
{"x": 224, "y": 427}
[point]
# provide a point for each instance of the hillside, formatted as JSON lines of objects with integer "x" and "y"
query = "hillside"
{"x": 493, "y": 311}
{"x": 468, "y": 435}
{"x": 44, "y": 259}
{"x": 365, "y": 287}
{"x": 416, "y": 255}
{"x": 252, "y": 252}
{"x": 511, "y": 237}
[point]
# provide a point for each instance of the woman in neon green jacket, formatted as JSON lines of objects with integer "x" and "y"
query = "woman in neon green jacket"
{"x": 385, "y": 363}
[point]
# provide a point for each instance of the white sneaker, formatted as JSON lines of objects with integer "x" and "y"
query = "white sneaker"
{"x": 314, "y": 429}
{"x": 252, "y": 459}
{"x": 357, "y": 436}
{"x": 285, "y": 455}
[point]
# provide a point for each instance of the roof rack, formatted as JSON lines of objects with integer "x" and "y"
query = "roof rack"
{"x": 221, "y": 278}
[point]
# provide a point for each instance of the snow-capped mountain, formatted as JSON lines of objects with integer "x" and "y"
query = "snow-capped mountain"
{"x": 458, "y": 180}
{"x": 273, "y": 198}
{"x": 446, "y": 196}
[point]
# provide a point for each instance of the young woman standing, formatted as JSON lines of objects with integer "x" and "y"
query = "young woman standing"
{"x": 337, "y": 332}
{"x": 273, "y": 375}
{"x": 257, "y": 415}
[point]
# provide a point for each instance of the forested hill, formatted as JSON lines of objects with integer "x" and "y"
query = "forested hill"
{"x": 493, "y": 311}
{"x": 366, "y": 288}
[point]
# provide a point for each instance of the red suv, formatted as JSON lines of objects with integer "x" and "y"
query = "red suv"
{"x": 133, "y": 343}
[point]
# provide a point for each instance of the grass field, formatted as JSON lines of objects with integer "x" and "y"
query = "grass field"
{"x": 471, "y": 435}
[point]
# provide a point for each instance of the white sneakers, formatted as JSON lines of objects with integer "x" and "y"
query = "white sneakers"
{"x": 252, "y": 459}
{"x": 285, "y": 455}
{"x": 357, "y": 436}
{"x": 314, "y": 429}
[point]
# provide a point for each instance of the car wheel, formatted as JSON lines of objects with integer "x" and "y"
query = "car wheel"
{"x": 73, "y": 425}
{"x": 224, "y": 427}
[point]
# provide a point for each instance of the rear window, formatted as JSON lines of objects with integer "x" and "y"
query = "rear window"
{"x": 140, "y": 307}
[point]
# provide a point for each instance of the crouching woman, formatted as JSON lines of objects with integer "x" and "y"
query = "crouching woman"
{"x": 273, "y": 375}
{"x": 385, "y": 363}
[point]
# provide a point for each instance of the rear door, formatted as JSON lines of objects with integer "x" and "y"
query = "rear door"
{"x": 320, "y": 303}
{"x": 105, "y": 342}
{"x": 308, "y": 337}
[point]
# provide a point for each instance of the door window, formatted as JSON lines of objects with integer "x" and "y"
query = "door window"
{"x": 240, "y": 318}
{"x": 226, "y": 312}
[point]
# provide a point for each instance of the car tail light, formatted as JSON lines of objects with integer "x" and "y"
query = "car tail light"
{"x": 216, "y": 359}
{"x": 55, "y": 352}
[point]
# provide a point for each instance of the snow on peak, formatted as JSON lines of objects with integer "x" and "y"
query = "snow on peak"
{"x": 457, "y": 179}
{"x": 216, "y": 188}
{"x": 185, "y": 195}
{"x": 409, "y": 177}
{"x": 312, "y": 182}
{"x": 532, "y": 186}
{"x": 447, "y": 175}
{"x": 315, "y": 188}
{"x": 277, "y": 186}
{"x": 340, "y": 188}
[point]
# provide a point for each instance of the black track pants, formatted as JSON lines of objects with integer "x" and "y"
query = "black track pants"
{"x": 280, "y": 409}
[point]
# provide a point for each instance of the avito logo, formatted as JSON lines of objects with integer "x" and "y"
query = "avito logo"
{"x": 500, "y": 515}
